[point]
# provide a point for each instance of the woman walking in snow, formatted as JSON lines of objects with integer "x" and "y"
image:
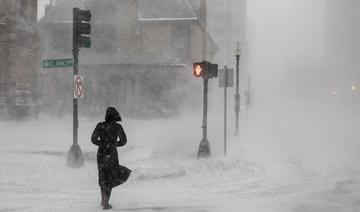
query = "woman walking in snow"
{"x": 109, "y": 135}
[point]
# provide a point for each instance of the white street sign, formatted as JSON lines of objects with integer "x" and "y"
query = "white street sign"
{"x": 78, "y": 87}
{"x": 230, "y": 78}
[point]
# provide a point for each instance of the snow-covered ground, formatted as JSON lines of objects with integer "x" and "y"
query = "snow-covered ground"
{"x": 166, "y": 175}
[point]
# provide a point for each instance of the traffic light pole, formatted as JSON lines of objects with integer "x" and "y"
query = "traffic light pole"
{"x": 75, "y": 158}
{"x": 204, "y": 148}
{"x": 237, "y": 94}
{"x": 205, "y": 104}
{"x": 75, "y": 101}
{"x": 207, "y": 71}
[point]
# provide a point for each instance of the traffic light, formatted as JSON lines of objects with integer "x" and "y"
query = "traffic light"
{"x": 198, "y": 69}
{"x": 81, "y": 28}
{"x": 205, "y": 69}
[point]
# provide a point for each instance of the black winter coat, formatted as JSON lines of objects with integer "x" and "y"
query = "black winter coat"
{"x": 108, "y": 135}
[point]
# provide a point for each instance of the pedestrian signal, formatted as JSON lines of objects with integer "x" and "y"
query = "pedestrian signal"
{"x": 205, "y": 69}
{"x": 198, "y": 69}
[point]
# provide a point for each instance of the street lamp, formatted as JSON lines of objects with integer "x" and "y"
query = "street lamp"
{"x": 237, "y": 94}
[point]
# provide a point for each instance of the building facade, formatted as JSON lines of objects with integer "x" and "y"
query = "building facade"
{"x": 140, "y": 59}
{"x": 227, "y": 23}
{"x": 19, "y": 45}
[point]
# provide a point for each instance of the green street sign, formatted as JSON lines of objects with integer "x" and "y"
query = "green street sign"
{"x": 57, "y": 63}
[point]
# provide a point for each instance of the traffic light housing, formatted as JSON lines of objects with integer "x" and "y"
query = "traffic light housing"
{"x": 213, "y": 70}
{"x": 81, "y": 28}
{"x": 205, "y": 69}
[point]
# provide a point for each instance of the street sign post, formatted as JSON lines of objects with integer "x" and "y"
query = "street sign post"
{"x": 226, "y": 79}
{"x": 57, "y": 63}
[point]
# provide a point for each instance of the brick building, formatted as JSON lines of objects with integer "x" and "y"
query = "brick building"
{"x": 19, "y": 45}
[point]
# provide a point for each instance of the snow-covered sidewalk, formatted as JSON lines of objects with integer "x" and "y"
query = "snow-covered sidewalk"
{"x": 166, "y": 175}
{"x": 39, "y": 182}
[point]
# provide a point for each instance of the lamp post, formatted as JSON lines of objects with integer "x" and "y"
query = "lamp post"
{"x": 237, "y": 94}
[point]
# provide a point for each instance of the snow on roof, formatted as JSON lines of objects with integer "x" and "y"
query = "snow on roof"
{"x": 164, "y": 10}
{"x": 148, "y": 10}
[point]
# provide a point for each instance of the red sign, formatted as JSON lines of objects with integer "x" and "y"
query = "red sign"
{"x": 78, "y": 87}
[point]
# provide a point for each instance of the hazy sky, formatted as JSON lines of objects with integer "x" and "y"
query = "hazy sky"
{"x": 286, "y": 39}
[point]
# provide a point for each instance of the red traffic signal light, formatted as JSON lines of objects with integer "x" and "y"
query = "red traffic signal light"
{"x": 198, "y": 69}
{"x": 205, "y": 69}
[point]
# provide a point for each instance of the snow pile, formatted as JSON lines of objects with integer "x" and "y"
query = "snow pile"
{"x": 167, "y": 167}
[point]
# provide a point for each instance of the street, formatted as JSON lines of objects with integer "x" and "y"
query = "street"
{"x": 34, "y": 176}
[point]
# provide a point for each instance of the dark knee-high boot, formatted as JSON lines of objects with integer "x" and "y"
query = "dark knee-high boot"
{"x": 102, "y": 191}
{"x": 106, "y": 204}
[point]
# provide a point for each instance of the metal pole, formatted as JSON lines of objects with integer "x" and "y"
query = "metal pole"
{"x": 237, "y": 94}
{"x": 75, "y": 157}
{"x": 204, "y": 17}
{"x": 75, "y": 101}
{"x": 205, "y": 104}
{"x": 206, "y": 78}
{"x": 76, "y": 72}
{"x": 204, "y": 148}
{"x": 225, "y": 108}
{"x": 229, "y": 4}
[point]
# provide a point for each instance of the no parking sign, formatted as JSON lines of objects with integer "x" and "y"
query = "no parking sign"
{"x": 78, "y": 87}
